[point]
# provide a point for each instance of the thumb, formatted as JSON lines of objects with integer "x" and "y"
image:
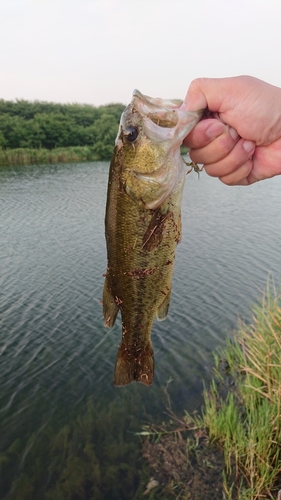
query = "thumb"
{"x": 206, "y": 93}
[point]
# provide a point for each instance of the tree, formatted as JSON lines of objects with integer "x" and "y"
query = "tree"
{"x": 35, "y": 125}
{"x": 105, "y": 130}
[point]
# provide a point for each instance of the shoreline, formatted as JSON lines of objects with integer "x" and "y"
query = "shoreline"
{"x": 234, "y": 446}
{"x": 23, "y": 156}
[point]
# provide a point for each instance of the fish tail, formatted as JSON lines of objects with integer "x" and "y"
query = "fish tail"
{"x": 132, "y": 365}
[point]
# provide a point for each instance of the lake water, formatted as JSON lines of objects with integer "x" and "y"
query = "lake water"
{"x": 61, "y": 417}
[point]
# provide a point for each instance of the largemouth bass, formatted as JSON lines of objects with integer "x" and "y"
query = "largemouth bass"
{"x": 143, "y": 226}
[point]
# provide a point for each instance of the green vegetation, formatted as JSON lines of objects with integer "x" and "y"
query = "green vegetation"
{"x": 25, "y": 156}
{"x": 95, "y": 455}
{"x": 233, "y": 450}
{"x": 247, "y": 422}
{"x": 42, "y": 132}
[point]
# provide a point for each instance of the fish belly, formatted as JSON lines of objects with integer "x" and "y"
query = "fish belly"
{"x": 141, "y": 246}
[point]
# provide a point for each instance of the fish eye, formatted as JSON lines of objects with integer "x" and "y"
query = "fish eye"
{"x": 131, "y": 133}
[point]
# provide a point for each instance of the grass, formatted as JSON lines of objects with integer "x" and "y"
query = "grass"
{"x": 247, "y": 422}
{"x": 24, "y": 156}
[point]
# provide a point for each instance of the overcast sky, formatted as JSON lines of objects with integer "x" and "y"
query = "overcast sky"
{"x": 98, "y": 51}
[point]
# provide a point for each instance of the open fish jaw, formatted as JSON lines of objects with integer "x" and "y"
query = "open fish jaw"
{"x": 158, "y": 114}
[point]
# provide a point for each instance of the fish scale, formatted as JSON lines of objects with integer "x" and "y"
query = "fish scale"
{"x": 143, "y": 228}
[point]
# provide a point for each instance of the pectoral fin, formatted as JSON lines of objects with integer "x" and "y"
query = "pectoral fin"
{"x": 162, "y": 310}
{"x": 154, "y": 233}
{"x": 110, "y": 309}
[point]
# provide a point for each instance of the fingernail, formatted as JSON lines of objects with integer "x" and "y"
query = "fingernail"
{"x": 214, "y": 130}
{"x": 234, "y": 134}
{"x": 249, "y": 146}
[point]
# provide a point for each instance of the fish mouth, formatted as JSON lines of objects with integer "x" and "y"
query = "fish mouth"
{"x": 165, "y": 119}
{"x": 162, "y": 112}
{"x": 157, "y": 102}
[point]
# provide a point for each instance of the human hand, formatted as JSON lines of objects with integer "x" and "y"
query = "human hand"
{"x": 242, "y": 143}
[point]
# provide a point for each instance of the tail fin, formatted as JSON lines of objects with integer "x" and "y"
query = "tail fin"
{"x": 134, "y": 365}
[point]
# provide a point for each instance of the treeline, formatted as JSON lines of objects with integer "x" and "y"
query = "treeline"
{"x": 30, "y": 126}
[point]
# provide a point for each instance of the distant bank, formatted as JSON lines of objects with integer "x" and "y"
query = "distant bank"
{"x": 43, "y": 132}
{"x": 26, "y": 156}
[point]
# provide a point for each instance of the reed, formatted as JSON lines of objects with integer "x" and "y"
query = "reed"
{"x": 24, "y": 156}
{"x": 247, "y": 422}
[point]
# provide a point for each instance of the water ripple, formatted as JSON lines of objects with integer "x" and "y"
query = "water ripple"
{"x": 54, "y": 349}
